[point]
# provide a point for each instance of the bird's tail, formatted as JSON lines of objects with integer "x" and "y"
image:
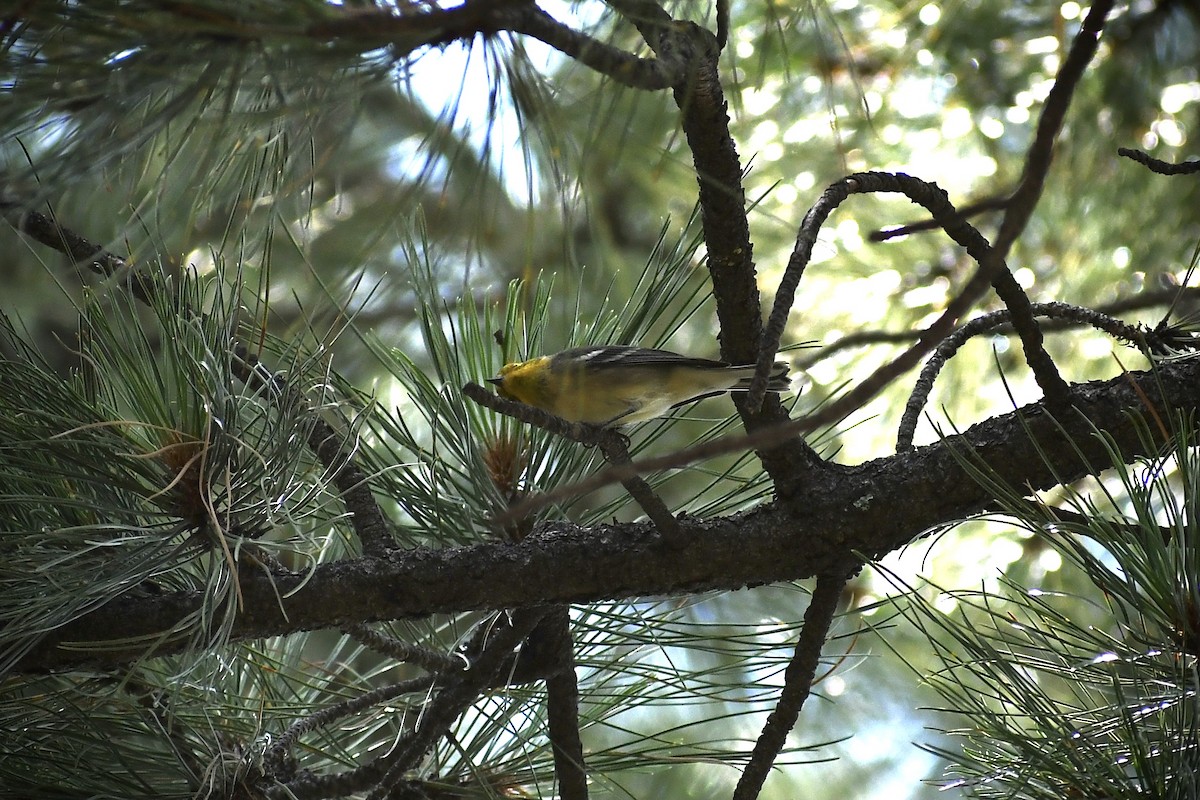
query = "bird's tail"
{"x": 778, "y": 382}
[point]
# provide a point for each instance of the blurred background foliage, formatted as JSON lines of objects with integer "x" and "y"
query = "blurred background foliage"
{"x": 224, "y": 132}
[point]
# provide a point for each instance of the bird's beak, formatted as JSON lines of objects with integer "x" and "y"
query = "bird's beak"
{"x": 495, "y": 381}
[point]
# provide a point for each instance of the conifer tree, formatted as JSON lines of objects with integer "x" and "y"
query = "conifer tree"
{"x": 266, "y": 534}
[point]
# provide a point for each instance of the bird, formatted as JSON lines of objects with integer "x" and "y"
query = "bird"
{"x": 616, "y": 385}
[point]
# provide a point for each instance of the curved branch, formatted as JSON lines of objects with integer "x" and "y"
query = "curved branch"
{"x": 1133, "y": 302}
{"x": 992, "y": 268}
{"x": 1130, "y": 334}
{"x": 1158, "y": 165}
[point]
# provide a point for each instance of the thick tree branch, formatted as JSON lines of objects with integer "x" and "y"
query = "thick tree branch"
{"x": 726, "y": 227}
{"x": 872, "y": 509}
{"x": 718, "y": 168}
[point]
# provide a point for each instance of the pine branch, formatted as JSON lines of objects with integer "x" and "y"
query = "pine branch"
{"x": 333, "y": 449}
{"x": 457, "y": 696}
{"x": 384, "y": 776}
{"x": 82, "y": 252}
{"x": 400, "y": 650}
{"x": 611, "y": 442}
{"x": 275, "y": 760}
{"x": 875, "y": 508}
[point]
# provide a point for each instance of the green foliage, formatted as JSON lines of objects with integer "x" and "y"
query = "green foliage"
{"x": 162, "y": 430}
{"x": 137, "y": 459}
{"x": 1088, "y": 691}
{"x": 148, "y": 467}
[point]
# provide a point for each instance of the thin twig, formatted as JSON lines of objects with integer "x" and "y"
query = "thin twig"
{"x": 562, "y": 710}
{"x": 399, "y": 650}
{"x": 1158, "y": 165}
{"x": 797, "y": 685}
{"x": 1067, "y": 521}
{"x": 1027, "y": 195}
{"x": 1050, "y": 122}
{"x": 966, "y": 211}
{"x": 1135, "y": 302}
{"x": 611, "y": 443}
{"x": 1135, "y": 335}
{"x": 617, "y": 452}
